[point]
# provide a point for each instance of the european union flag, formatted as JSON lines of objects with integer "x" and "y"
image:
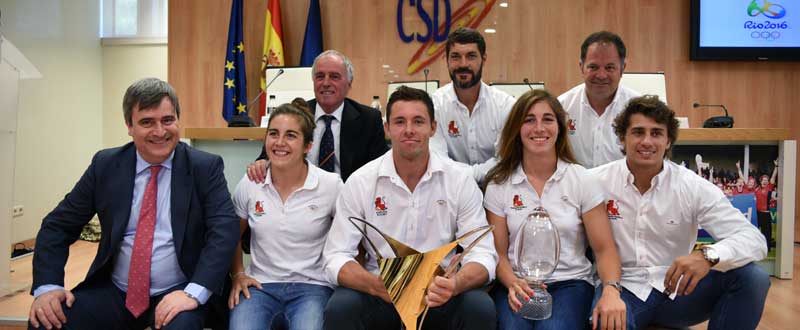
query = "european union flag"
{"x": 312, "y": 41}
{"x": 234, "y": 98}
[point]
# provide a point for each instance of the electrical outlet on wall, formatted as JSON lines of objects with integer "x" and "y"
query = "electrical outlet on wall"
{"x": 17, "y": 211}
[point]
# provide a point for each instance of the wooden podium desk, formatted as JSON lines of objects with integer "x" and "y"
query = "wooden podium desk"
{"x": 240, "y": 146}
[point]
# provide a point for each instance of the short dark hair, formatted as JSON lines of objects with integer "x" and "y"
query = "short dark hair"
{"x": 464, "y": 35}
{"x": 651, "y": 107}
{"x": 300, "y": 110}
{"x": 147, "y": 93}
{"x": 405, "y": 93}
{"x": 604, "y": 36}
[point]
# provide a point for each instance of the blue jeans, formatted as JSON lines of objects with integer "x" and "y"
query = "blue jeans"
{"x": 295, "y": 305}
{"x": 353, "y": 310}
{"x": 571, "y": 302}
{"x": 731, "y": 300}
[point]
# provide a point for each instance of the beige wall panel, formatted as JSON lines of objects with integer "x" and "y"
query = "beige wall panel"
{"x": 536, "y": 39}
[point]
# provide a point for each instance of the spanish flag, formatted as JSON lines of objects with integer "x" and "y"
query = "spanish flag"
{"x": 273, "y": 47}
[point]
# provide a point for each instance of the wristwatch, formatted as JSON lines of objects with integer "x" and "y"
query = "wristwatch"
{"x": 614, "y": 284}
{"x": 710, "y": 255}
{"x": 193, "y": 297}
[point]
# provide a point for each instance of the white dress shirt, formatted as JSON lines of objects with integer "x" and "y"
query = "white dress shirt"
{"x": 445, "y": 204}
{"x": 654, "y": 228}
{"x": 568, "y": 194}
{"x": 470, "y": 139}
{"x": 592, "y": 137}
{"x": 288, "y": 238}
{"x": 319, "y": 130}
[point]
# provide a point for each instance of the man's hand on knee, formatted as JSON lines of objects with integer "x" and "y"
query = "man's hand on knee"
{"x": 171, "y": 305}
{"x": 46, "y": 309}
{"x": 684, "y": 274}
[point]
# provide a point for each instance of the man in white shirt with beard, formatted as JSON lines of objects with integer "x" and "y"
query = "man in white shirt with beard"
{"x": 470, "y": 113}
{"x": 655, "y": 207}
{"x": 593, "y": 105}
{"x": 420, "y": 199}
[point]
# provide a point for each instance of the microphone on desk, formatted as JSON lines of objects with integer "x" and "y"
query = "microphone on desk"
{"x": 527, "y": 82}
{"x": 242, "y": 119}
{"x": 725, "y": 121}
{"x": 426, "y": 71}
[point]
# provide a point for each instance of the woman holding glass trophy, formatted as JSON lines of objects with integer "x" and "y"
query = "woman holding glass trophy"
{"x": 289, "y": 216}
{"x": 537, "y": 179}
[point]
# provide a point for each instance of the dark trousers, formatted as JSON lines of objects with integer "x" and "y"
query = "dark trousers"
{"x": 349, "y": 309}
{"x": 730, "y": 300}
{"x": 102, "y": 306}
{"x": 765, "y": 226}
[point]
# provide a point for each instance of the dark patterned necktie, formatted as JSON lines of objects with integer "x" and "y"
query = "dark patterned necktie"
{"x": 138, "y": 296}
{"x": 326, "y": 148}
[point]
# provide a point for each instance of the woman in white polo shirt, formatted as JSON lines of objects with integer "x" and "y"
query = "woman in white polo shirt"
{"x": 537, "y": 168}
{"x": 289, "y": 216}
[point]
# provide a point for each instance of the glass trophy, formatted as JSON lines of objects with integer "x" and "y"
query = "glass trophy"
{"x": 538, "y": 248}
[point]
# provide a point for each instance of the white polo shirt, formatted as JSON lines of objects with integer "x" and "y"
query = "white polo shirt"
{"x": 445, "y": 204}
{"x": 470, "y": 139}
{"x": 287, "y": 238}
{"x": 567, "y": 195}
{"x": 591, "y": 136}
{"x": 654, "y": 228}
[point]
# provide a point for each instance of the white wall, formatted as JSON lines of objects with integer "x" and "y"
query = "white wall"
{"x": 60, "y": 120}
{"x": 122, "y": 65}
{"x": 76, "y": 108}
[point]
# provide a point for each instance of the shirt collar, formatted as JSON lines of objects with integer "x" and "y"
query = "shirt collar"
{"x": 617, "y": 97}
{"x": 318, "y": 112}
{"x": 387, "y": 168}
{"x": 655, "y": 182}
{"x": 482, "y": 95}
{"x": 519, "y": 174}
{"x": 142, "y": 164}
{"x": 312, "y": 177}
{"x": 661, "y": 177}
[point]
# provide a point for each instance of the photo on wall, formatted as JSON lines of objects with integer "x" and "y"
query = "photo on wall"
{"x": 746, "y": 174}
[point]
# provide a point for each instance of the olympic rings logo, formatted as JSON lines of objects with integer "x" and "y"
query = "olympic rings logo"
{"x": 766, "y": 35}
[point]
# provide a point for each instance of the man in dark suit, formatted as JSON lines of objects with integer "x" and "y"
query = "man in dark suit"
{"x": 168, "y": 229}
{"x": 348, "y": 134}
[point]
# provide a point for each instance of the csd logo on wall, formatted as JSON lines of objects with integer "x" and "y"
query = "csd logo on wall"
{"x": 436, "y": 28}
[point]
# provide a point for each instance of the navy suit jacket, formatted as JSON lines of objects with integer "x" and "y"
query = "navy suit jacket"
{"x": 361, "y": 137}
{"x": 205, "y": 228}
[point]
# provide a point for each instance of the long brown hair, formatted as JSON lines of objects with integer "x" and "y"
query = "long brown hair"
{"x": 509, "y": 154}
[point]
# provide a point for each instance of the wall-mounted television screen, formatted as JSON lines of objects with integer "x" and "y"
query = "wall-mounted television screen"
{"x": 745, "y": 30}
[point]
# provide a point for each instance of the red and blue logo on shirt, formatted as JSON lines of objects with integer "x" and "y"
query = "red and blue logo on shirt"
{"x": 517, "y": 204}
{"x": 613, "y": 210}
{"x": 452, "y": 129}
{"x": 380, "y": 206}
{"x": 572, "y": 126}
{"x": 259, "y": 209}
